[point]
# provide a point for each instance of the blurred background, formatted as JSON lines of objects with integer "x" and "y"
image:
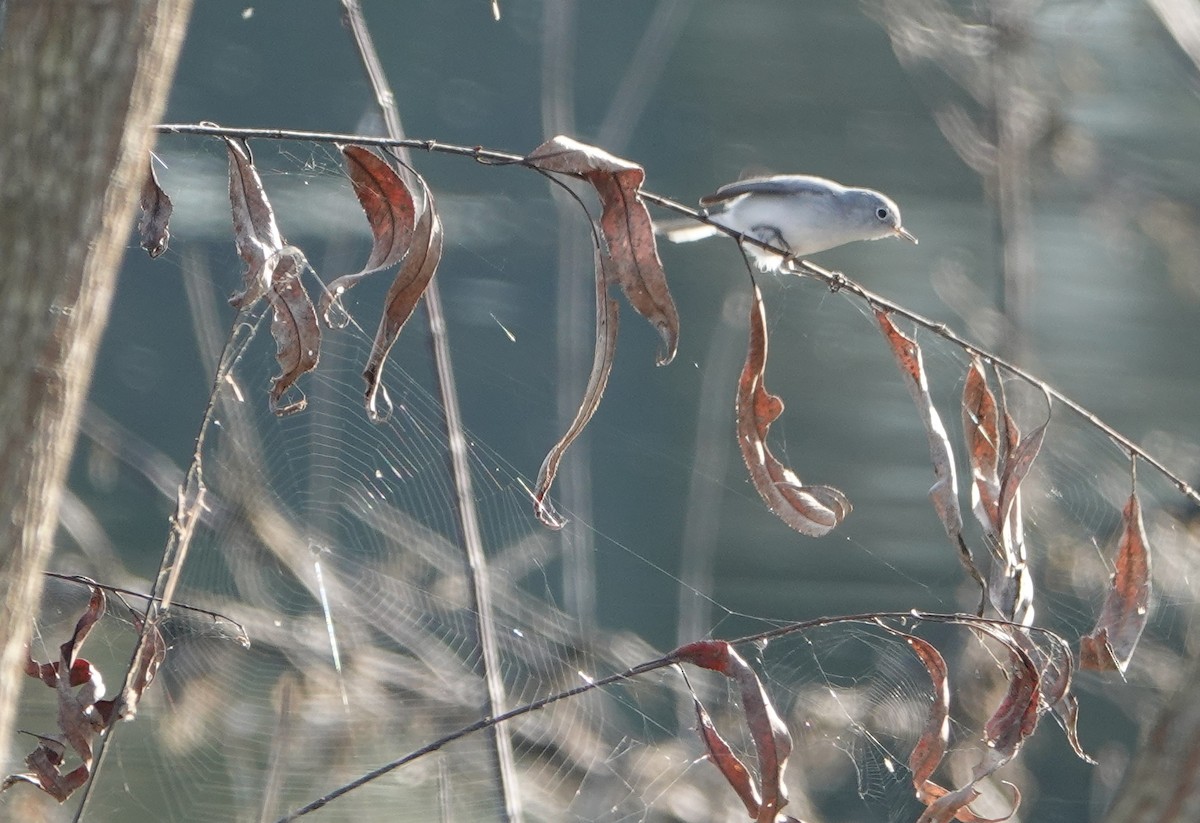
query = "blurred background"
{"x": 1044, "y": 153}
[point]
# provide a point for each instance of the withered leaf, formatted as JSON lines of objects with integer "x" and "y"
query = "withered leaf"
{"x": 953, "y": 805}
{"x": 294, "y": 327}
{"x": 148, "y": 657}
{"x": 1126, "y": 607}
{"x": 390, "y": 211}
{"x": 982, "y": 429}
{"x": 927, "y": 754}
{"x": 403, "y": 295}
{"x": 78, "y": 686}
{"x": 772, "y": 742}
{"x": 626, "y": 226}
{"x": 944, "y": 492}
{"x": 607, "y": 318}
{"x": 1015, "y": 719}
{"x": 255, "y": 233}
{"x": 810, "y": 510}
{"x": 156, "y": 214}
{"x": 1000, "y": 461}
{"x": 722, "y": 755}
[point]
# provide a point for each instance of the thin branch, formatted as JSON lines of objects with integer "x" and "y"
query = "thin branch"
{"x": 670, "y": 659}
{"x": 478, "y": 587}
{"x": 217, "y": 617}
{"x": 835, "y": 280}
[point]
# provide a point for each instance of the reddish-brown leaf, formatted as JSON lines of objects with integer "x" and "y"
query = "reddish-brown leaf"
{"x": 405, "y": 292}
{"x": 78, "y": 686}
{"x": 722, "y": 755}
{"x": 810, "y": 510}
{"x": 772, "y": 742}
{"x": 1015, "y": 719}
{"x": 982, "y": 429}
{"x": 944, "y": 491}
{"x": 931, "y": 747}
{"x": 1127, "y": 606}
{"x": 294, "y": 327}
{"x": 945, "y": 805}
{"x": 390, "y": 211}
{"x": 607, "y": 318}
{"x": 255, "y": 233}
{"x": 1000, "y": 460}
{"x": 156, "y": 214}
{"x": 626, "y": 226}
{"x": 149, "y": 655}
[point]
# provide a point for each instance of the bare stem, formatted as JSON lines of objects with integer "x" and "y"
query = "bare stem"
{"x": 478, "y": 587}
{"x": 670, "y": 659}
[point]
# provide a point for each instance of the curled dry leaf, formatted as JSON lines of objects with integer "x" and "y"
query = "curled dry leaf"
{"x": 1000, "y": 461}
{"x": 723, "y": 757}
{"x": 607, "y": 319}
{"x": 810, "y": 510}
{"x": 772, "y": 742}
{"x": 931, "y": 747}
{"x": 1015, "y": 719}
{"x": 274, "y": 270}
{"x": 944, "y": 492}
{"x": 79, "y": 686}
{"x": 391, "y": 213}
{"x": 1126, "y": 608}
{"x": 946, "y": 805}
{"x": 147, "y": 658}
{"x": 403, "y": 295}
{"x": 255, "y": 233}
{"x": 156, "y": 214}
{"x": 626, "y": 226}
{"x": 1056, "y": 668}
{"x": 294, "y": 327}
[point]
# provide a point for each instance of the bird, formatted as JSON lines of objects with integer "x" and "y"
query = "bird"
{"x": 798, "y": 213}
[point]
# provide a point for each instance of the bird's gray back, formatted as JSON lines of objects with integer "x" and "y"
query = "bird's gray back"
{"x": 790, "y": 185}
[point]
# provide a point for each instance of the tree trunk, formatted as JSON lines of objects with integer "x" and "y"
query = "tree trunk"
{"x": 81, "y": 81}
{"x": 1162, "y": 783}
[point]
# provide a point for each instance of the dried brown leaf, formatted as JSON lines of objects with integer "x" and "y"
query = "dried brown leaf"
{"x": 156, "y": 215}
{"x": 78, "y": 686}
{"x": 1000, "y": 461}
{"x": 931, "y": 747}
{"x": 1067, "y": 710}
{"x": 945, "y": 805}
{"x": 294, "y": 327}
{"x": 982, "y": 429}
{"x": 1015, "y": 719}
{"x": 147, "y": 658}
{"x": 810, "y": 510}
{"x": 255, "y": 233}
{"x": 607, "y": 320}
{"x": 772, "y": 742}
{"x": 391, "y": 213}
{"x": 626, "y": 226}
{"x": 405, "y": 292}
{"x": 722, "y": 755}
{"x": 944, "y": 492}
{"x": 1126, "y": 609}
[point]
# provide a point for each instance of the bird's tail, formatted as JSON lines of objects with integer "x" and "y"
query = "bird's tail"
{"x": 684, "y": 230}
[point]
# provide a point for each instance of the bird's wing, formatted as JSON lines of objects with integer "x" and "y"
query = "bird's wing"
{"x": 780, "y": 184}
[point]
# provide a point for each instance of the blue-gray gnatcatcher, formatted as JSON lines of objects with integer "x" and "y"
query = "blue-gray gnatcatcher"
{"x": 798, "y": 213}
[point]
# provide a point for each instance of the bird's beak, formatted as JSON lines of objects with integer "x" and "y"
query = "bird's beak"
{"x": 900, "y": 231}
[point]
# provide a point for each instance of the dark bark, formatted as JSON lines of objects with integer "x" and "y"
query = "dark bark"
{"x": 81, "y": 81}
{"x": 1162, "y": 783}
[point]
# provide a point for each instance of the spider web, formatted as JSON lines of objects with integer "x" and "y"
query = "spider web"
{"x": 333, "y": 541}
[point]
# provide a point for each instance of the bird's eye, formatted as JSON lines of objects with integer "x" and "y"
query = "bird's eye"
{"x": 881, "y": 213}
